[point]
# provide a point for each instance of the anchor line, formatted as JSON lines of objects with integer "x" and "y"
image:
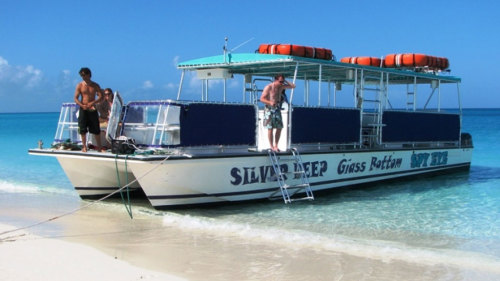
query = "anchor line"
{"x": 128, "y": 205}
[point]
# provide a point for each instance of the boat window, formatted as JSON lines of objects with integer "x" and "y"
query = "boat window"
{"x": 152, "y": 123}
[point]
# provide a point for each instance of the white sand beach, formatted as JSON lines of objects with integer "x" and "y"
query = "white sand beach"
{"x": 24, "y": 256}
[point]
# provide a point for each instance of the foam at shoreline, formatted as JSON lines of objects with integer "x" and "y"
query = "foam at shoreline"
{"x": 13, "y": 187}
{"x": 385, "y": 251}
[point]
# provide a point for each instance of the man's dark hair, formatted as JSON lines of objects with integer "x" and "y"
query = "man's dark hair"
{"x": 278, "y": 76}
{"x": 85, "y": 70}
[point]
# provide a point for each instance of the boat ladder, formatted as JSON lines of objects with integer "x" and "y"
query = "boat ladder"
{"x": 298, "y": 177}
{"x": 372, "y": 91}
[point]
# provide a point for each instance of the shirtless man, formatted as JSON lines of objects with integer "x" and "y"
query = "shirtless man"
{"x": 271, "y": 97}
{"x": 88, "y": 119}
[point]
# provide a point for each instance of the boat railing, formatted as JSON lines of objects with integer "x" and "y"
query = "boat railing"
{"x": 253, "y": 88}
{"x": 67, "y": 127}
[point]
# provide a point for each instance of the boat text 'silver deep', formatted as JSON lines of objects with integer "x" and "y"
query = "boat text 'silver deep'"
{"x": 216, "y": 150}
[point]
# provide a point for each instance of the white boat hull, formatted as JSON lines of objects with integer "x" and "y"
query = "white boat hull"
{"x": 91, "y": 174}
{"x": 219, "y": 179}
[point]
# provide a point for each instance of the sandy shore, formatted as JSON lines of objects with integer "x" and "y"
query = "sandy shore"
{"x": 24, "y": 256}
{"x": 103, "y": 243}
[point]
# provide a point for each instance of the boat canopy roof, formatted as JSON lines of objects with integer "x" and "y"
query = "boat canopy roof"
{"x": 256, "y": 64}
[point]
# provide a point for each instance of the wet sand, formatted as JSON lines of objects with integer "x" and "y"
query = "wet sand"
{"x": 103, "y": 240}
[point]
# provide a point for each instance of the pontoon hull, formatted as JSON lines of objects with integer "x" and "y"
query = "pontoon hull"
{"x": 217, "y": 179}
{"x": 91, "y": 174}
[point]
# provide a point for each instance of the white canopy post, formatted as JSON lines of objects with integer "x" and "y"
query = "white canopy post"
{"x": 289, "y": 127}
{"x": 180, "y": 84}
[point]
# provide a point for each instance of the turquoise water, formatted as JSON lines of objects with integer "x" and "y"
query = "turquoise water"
{"x": 441, "y": 219}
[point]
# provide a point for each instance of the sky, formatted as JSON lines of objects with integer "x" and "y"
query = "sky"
{"x": 134, "y": 46}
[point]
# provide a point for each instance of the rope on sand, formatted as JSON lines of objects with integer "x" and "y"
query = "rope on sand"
{"x": 84, "y": 206}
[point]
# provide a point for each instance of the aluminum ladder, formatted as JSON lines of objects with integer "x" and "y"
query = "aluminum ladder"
{"x": 371, "y": 107}
{"x": 298, "y": 176}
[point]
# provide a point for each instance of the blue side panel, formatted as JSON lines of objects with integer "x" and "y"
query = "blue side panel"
{"x": 420, "y": 127}
{"x": 330, "y": 125}
{"x": 218, "y": 124}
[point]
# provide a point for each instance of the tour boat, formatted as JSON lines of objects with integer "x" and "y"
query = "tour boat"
{"x": 215, "y": 150}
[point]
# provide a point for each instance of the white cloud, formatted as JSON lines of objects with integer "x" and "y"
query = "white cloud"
{"x": 194, "y": 82}
{"x": 19, "y": 84}
{"x": 176, "y": 60}
{"x": 170, "y": 86}
{"x": 147, "y": 84}
{"x": 19, "y": 76}
{"x": 66, "y": 82}
{"x": 3, "y": 62}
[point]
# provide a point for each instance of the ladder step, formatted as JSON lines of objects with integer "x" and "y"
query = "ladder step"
{"x": 302, "y": 185}
{"x": 303, "y": 198}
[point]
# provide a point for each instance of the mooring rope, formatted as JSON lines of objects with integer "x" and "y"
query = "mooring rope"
{"x": 127, "y": 205}
{"x": 84, "y": 206}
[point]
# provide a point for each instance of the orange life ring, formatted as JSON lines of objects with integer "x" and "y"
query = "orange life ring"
{"x": 406, "y": 60}
{"x": 370, "y": 61}
{"x": 442, "y": 63}
{"x": 263, "y": 49}
{"x": 416, "y": 60}
{"x": 310, "y": 52}
{"x": 296, "y": 50}
{"x": 323, "y": 53}
{"x": 292, "y": 50}
{"x": 431, "y": 61}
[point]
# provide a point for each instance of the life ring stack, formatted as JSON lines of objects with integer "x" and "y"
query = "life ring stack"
{"x": 296, "y": 50}
{"x": 416, "y": 61}
{"x": 370, "y": 61}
